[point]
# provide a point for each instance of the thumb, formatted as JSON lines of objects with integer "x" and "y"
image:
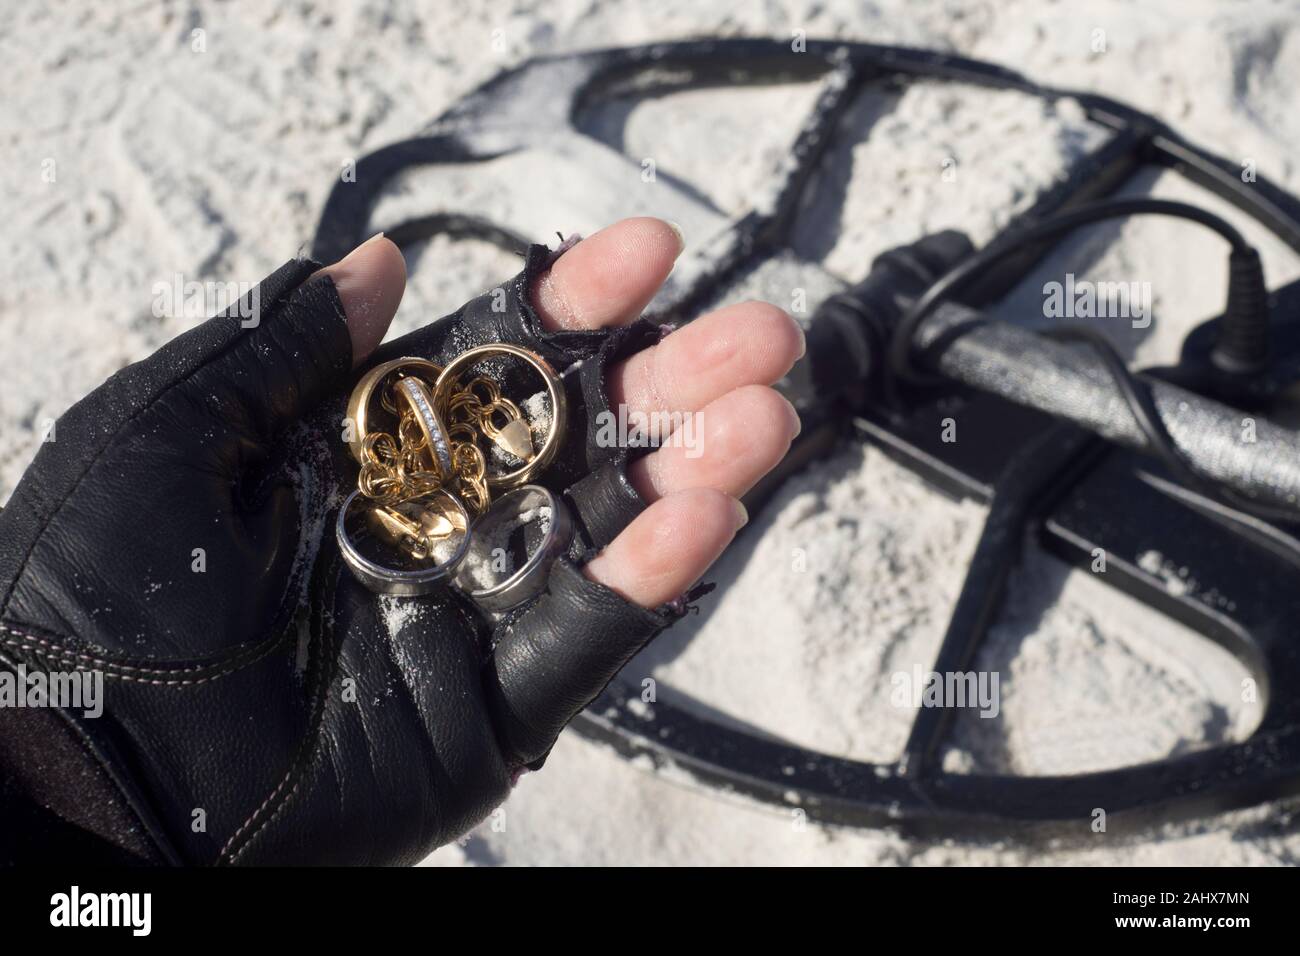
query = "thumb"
{"x": 369, "y": 280}
{"x": 304, "y": 348}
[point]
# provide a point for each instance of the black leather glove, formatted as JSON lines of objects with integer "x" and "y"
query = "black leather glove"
{"x": 261, "y": 706}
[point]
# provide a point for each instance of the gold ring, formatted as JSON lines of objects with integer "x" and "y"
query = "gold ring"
{"x": 359, "y": 402}
{"x": 554, "y": 391}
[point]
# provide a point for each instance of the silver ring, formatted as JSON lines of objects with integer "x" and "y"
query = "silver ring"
{"x": 531, "y": 578}
{"x": 407, "y": 582}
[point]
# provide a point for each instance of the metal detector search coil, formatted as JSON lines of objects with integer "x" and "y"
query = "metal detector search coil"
{"x": 1035, "y": 456}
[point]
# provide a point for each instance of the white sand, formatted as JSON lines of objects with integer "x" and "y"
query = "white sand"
{"x": 215, "y": 164}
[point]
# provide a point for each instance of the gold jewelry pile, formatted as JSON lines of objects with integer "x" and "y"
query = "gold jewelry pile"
{"x": 416, "y": 432}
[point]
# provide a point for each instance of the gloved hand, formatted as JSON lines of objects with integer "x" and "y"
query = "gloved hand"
{"x": 260, "y": 705}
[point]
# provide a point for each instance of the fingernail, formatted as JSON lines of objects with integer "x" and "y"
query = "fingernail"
{"x": 742, "y": 516}
{"x": 798, "y": 422}
{"x": 681, "y": 236}
{"x": 376, "y": 236}
{"x": 803, "y": 339}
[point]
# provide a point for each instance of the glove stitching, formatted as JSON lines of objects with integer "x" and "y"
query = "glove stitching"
{"x": 234, "y": 857}
{"x": 110, "y": 668}
{"x": 307, "y": 749}
{"x": 131, "y": 802}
